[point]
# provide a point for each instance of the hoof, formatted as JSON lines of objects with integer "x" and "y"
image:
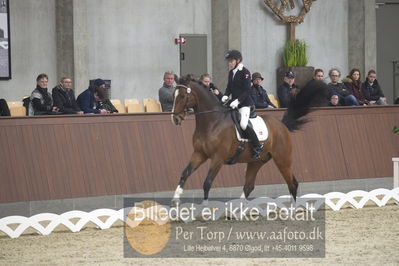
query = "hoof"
{"x": 205, "y": 203}
{"x": 175, "y": 202}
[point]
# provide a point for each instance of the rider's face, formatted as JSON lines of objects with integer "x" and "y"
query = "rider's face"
{"x": 232, "y": 63}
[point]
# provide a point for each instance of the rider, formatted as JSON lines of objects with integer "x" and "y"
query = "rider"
{"x": 239, "y": 86}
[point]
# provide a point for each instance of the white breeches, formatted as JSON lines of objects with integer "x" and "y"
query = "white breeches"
{"x": 244, "y": 111}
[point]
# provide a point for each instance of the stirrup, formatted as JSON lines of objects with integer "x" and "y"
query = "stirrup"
{"x": 257, "y": 151}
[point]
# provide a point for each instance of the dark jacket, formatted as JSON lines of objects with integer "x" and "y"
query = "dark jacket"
{"x": 355, "y": 88}
{"x": 211, "y": 88}
{"x": 4, "y": 110}
{"x": 65, "y": 100}
{"x": 107, "y": 105}
{"x": 41, "y": 102}
{"x": 338, "y": 88}
{"x": 372, "y": 92}
{"x": 284, "y": 94}
{"x": 260, "y": 98}
{"x": 86, "y": 101}
{"x": 240, "y": 86}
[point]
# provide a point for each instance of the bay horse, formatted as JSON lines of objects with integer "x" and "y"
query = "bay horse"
{"x": 215, "y": 135}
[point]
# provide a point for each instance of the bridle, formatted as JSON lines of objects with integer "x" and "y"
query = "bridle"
{"x": 185, "y": 110}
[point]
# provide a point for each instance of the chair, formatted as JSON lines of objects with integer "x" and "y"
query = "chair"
{"x": 17, "y": 110}
{"x": 152, "y": 107}
{"x": 115, "y": 101}
{"x": 135, "y": 108}
{"x": 273, "y": 100}
{"x": 130, "y": 101}
{"x": 14, "y": 104}
{"x": 120, "y": 107}
{"x": 148, "y": 100}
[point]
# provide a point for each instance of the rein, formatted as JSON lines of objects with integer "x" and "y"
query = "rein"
{"x": 188, "y": 91}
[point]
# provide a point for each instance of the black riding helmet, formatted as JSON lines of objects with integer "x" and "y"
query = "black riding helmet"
{"x": 233, "y": 54}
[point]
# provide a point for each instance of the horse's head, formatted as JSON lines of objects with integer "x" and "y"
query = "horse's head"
{"x": 184, "y": 99}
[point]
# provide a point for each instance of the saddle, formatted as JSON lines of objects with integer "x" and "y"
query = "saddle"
{"x": 255, "y": 122}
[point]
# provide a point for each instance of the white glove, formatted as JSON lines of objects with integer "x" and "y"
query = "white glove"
{"x": 234, "y": 104}
{"x": 225, "y": 99}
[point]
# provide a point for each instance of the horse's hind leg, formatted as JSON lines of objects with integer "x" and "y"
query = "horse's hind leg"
{"x": 196, "y": 160}
{"x": 284, "y": 164}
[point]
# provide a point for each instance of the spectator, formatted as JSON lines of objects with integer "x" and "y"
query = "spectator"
{"x": 321, "y": 101}
{"x": 345, "y": 98}
{"x": 396, "y": 101}
{"x": 287, "y": 90}
{"x": 165, "y": 93}
{"x": 64, "y": 97}
{"x": 4, "y": 110}
{"x": 86, "y": 100}
{"x": 41, "y": 102}
{"x": 334, "y": 100}
{"x": 259, "y": 94}
{"x": 102, "y": 102}
{"x": 318, "y": 74}
{"x": 372, "y": 90}
{"x": 354, "y": 85}
{"x": 206, "y": 80}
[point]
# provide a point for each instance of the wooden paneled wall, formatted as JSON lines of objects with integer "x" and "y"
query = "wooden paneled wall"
{"x": 43, "y": 158}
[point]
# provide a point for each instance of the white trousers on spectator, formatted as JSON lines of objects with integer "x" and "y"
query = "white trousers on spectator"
{"x": 244, "y": 111}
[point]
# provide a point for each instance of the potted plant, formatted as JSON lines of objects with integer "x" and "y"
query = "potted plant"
{"x": 295, "y": 59}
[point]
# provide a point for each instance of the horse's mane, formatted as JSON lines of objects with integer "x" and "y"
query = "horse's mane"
{"x": 200, "y": 88}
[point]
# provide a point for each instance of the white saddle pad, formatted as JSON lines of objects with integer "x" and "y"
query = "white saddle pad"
{"x": 260, "y": 129}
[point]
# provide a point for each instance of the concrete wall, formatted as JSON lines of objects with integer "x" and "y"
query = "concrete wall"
{"x": 33, "y": 47}
{"x": 131, "y": 42}
{"x": 325, "y": 31}
{"x": 388, "y": 48}
{"x": 362, "y": 35}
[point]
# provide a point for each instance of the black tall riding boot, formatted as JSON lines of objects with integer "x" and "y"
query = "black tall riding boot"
{"x": 257, "y": 147}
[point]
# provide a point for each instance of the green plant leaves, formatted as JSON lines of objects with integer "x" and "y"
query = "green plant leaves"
{"x": 395, "y": 130}
{"x": 295, "y": 53}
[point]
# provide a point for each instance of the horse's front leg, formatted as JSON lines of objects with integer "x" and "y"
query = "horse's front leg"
{"x": 216, "y": 165}
{"x": 196, "y": 160}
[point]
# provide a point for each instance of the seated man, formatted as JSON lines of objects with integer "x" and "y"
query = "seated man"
{"x": 372, "y": 90}
{"x": 64, "y": 97}
{"x": 287, "y": 90}
{"x": 259, "y": 94}
{"x": 41, "y": 102}
{"x": 86, "y": 100}
{"x": 165, "y": 93}
{"x": 345, "y": 98}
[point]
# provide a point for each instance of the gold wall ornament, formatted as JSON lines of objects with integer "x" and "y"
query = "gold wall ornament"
{"x": 287, "y": 5}
{"x": 284, "y": 6}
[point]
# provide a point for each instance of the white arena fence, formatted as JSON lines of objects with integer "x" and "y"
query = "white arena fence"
{"x": 334, "y": 200}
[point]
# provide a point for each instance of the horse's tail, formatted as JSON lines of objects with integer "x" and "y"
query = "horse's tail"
{"x": 313, "y": 94}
